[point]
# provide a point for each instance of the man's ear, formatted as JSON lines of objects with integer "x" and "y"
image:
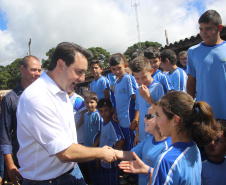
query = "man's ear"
{"x": 22, "y": 68}
{"x": 60, "y": 65}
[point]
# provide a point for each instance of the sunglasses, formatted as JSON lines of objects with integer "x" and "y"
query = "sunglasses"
{"x": 150, "y": 116}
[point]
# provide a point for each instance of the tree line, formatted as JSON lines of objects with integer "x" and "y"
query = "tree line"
{"x": 10, "y": 75}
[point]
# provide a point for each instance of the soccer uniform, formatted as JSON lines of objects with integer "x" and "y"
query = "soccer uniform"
{"x": 92, "y": 124}
{"x": 156, "y": 92}
{"x": 78, "y": 106}
{"x": 110, "y": 135}
{"x": 180, "y": 164}
{"x": 207, "y": 63}
{"x": 178, "y": 79}
{"x": 164, "y": 80}
{"x": 213, "y": 172}
{"x": 124, "y": 91}
{"x": 98, "y": 86}
{"x": 184, "y": 68}
{"x": 149, "y": 150}
{"x": 111, "y": 78}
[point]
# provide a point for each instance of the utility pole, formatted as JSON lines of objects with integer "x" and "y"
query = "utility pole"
{"x": 29, "y": 45}
{"x": 166, "y": 35}
{"x": 138, "y": 29}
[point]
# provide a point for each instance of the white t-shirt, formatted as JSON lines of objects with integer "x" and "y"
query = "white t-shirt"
{"x": 45, "y": 127}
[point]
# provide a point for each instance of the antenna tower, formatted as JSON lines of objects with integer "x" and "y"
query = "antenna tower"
{"x": 138, "y": 29}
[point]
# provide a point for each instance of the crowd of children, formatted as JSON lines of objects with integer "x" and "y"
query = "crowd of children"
{"x": 141, "y": 109}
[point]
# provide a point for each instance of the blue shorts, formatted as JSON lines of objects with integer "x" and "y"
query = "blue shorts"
{"x": 129, "y": 138}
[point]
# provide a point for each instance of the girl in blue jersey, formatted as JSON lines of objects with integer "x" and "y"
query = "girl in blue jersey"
{"x": 187, "y": 123}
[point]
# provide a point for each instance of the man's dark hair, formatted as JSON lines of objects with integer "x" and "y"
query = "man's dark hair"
{"x": 104, "y": 102}
{"x": 117, "y": 58}
{"x": 152, "y": 53}
{"x": 67, "y": 51}
{"x": 91, "y": 95}
{"x": 170, "y": 54}
{"x": 211, "y": 16}
{"x": 99, "y": 63}
{"x": 24, "y": 62}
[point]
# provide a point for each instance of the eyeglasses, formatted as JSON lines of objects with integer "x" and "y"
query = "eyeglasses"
{"x": 150, "y": 116}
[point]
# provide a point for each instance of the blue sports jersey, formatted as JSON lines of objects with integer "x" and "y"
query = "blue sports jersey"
{"x": 156, "y": 92}
{"x": 111, "y": 78}
{"x": 98, "y": 86}
{"x": 178, "y": 79}
{"x": 149, "y": 150}
{"x": 164, "y": 80}
{"x": 180, "y": 164}
{"x": 110, "y": 135}
{"x": 92, "y": 124}
{"x": 208, "y": 65}
{"x": 124, "y": 90}
{"x": 184, "y": 68}
{"x": 213, "y": 172}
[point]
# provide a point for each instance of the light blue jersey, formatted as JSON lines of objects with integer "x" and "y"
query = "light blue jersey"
{"x": 111, "y": 78}
{"x": 98, "y": 86}
{"x": 92, "y": 124}
{"x": 156, "y": 92}
{"x": 164, "y": 80}
{"x": 110, "y": 135}
{"x": 178, "y": 79}
{"x": 213, "y": 172}
{"x": 180, "y": 164}
{"x": 149, "y": 150}
{"x": 208, "y": 65}
{"x": 124, "y": 90}
{"x": 185, "y": 69}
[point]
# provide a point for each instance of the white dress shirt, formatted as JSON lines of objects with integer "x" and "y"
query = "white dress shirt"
{"x": 45, "y": 127}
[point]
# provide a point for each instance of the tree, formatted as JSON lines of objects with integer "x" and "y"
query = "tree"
{"x": 49, "y": 54}
{"x": 128, "y": 53}
{"x": 99, "y": 54}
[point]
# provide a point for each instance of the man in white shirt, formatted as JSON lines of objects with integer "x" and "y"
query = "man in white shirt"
{"x": 46, "y": 130}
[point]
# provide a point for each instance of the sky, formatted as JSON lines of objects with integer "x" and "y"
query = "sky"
{"x": 110, "y": 24}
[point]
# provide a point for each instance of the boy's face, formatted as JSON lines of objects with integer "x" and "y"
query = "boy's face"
{"x": 217, "y": 149}
{"x": 118, "y": 70}
{"x": 105, "y": 113}
{"x": 90, "y": 105}
{"x": 155, "y": 64}
{"x": 143, "y": 77}
{"x": 209, "y": 33}
{"x": 95, "y": 70}
{"x": 150, "y": 124}
{"x": 183, "y": 60}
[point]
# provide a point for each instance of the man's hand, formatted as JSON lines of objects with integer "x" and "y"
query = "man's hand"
{"x": 109, "y": 154}
{"x": 14, "y": 174}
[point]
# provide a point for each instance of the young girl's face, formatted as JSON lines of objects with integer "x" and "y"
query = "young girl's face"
{"x": 150, "y": 121}
{"x": 163, "y": 122}
{"x": 217, "y": 149}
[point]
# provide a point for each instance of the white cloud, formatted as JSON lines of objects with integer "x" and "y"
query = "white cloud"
{"x": 110, "y": 24}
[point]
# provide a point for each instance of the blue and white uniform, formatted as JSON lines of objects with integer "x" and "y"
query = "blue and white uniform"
{"x": 110, "y": 135}
{"x": 92, "y": 124}
{"x": 185, "y": 69}
{"x": 180, "y": 164}
{"x": 125, "y": 107}
{"x": 213, "y": 172}
{"x": 98, "y": 86}
{"x": 78, "y": 106}
{"x": 149, "y": 150}
{"x": 111, "y": 78}
{"x": 178, "y": 79}
{"x": 164, "y": 80}
{"x": 156, "y": 91}
{"x": 207, "y": 63}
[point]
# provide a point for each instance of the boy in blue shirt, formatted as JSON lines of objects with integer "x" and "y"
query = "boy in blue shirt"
{"x": 153, "y": 55}
{"x": 125, "y": 89}
{"x": 207, "y": 65}
{"x": 92, "y": 123}
{"x": 214, "y": 165}
{"x": 100, "y": 85}
{"x": 183, "y": 60}
{"x": 112, "y": 136}
{"x": 177, "y": 76}
{"x": 150, "y": 91}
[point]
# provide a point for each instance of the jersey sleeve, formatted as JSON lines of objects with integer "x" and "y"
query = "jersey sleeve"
{"x": 116, "y": 132}
{"x": 190, "y": 64}
{"x": 79, "y": 105}
{"x": 132, "y": 85}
